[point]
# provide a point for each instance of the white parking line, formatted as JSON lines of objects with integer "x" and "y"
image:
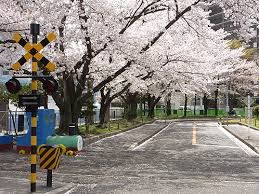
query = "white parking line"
{"x": 89, "y": 187}
{"x": 145, "y": 142}
{"x": 240, "y": 144}
{"x": 61, "y": 189}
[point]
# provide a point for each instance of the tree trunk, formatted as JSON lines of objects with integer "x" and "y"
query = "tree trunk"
{"x": 216, "y": 102}
{"x": 151, "y": 107}
{"x": 168, "y": 105}
{"x": 65, "y": 119}
{"x": 144, "y": 107}
{"x": 67, "y": 98}
{"x": 168, "y": 108}
{"x": 89, "y": 102}
{"x": 104, "y": 115}
{"x": 70, "y": 107}
{"x": 231, "y": 102}
{"x": 130, "y": 109}
{"x": 152, "y": 101}
{"x": 185, "y": 105}
{"x": 195, "y": 103}
{"x": 105, "y": 108}
{"x": 45, "y": 101}
{"x": 205, "y": 103}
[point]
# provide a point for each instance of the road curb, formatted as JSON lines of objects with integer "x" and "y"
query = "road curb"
{"x": 242, "y": 140}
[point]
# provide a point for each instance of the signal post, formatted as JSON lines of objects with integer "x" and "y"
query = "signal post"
{"x": 35, "y": 31}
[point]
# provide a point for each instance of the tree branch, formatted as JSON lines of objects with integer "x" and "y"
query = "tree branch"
{"x": 177, "y": 17}
{"x": 112, "y": 77}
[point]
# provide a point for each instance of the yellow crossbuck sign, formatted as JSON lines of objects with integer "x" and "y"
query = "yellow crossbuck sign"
{"x": 34, "y": 51}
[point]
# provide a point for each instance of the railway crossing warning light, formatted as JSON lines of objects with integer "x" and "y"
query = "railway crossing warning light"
{"x": 13, "y": 86}
{"x": 50, "y": 85}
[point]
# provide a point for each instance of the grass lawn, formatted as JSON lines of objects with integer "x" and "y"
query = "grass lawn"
{"x": 112, "y": 126}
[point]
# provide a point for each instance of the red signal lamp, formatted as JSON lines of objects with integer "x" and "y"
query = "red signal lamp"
{"x": 13, "y": 86}
{"x": 50, "y": 85}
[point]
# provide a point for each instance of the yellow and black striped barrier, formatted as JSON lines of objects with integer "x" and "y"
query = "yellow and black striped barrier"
{"x": 33, "y": 50}
{"x": 50, "y": 159}
{"x": 50, "y": 156}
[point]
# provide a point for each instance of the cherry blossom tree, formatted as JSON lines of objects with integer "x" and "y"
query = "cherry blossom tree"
{"x": 98, "y": 42}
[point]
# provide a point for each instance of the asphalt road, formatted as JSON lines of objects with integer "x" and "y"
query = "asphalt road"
{"x": 182, "y": 158}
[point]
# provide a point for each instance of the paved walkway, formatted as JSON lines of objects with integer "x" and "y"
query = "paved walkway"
{"x": 247, "y": 135}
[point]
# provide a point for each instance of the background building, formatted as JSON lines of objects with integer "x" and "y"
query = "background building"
{"x": 220, "y": 21}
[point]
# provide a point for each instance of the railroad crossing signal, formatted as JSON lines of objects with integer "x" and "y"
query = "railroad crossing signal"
{"x": 33, "y": 50}
{"x": 13, "y": 86}
{"x": 50, "y": 85}
{"x": 33, "y": 101}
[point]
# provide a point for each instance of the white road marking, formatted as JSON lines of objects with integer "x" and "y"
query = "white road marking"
{"x": 194, "y": 135}
{"x": 240, "y": 144}
{"x": 90, "y": 187}
{"x": 70, "y": 190}
{"x": 61, "y": 189}
{"x": 132, "y": 146}
{"x": 145, "y": 142}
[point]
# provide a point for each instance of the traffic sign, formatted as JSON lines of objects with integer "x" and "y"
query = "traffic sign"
{"x": 49, "y": 157}
{"x": 34, "y": 51}
{"x": 32, "y": 100}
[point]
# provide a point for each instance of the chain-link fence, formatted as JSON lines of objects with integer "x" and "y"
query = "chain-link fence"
{"x": 115, "y": 114}
{"x": 161, "y": 112}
